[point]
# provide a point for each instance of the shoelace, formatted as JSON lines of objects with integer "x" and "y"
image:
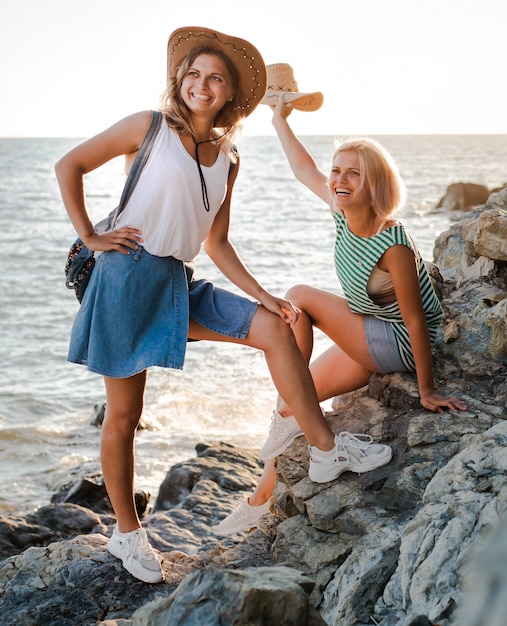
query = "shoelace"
{"x": 357, "y": 441}
{"x": 346, "y": 440}
{"x": 146, "y": 550}
{"x": 140, "y": 548}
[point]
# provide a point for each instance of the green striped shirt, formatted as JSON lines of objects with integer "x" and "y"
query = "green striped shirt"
{"x": 355, "y": 257}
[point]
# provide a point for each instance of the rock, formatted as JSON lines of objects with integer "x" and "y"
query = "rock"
{"x": 362, "y": 576}
{"x": 74, "y": 582}
{"x": 188, "y": 526}
{"x": 450, "y": 331}
{"x": 481, "y": 233}
{"x": 497, "y": 189}
{"x": 99, "y": 411}
{"x": 47, "y": 524}
{"x": 91, "y": 493}
{"x": 485, "y": 582}
{"x": 348, "y": 532}
{"x": 487, "y": 234}
{"x": 474, "y": 289}
{"x": 463, "y": 196}
{"x": 274, "y": 595}
{"x": 465, "y": 498}
{"x": 182, "y": 477}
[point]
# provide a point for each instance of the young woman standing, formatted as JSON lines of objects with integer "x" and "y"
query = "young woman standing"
{"x": 142, "y": 303}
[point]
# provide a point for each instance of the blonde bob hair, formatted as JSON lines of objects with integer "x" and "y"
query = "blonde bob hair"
{"x": 177, "y": 113}
{"x": 380, "y": 177}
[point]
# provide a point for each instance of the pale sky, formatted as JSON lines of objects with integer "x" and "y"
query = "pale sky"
{"x": 70, "y": 68}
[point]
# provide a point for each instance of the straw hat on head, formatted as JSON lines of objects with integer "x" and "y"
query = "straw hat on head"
{"x": 245, "y": 56}
{"x": 281, "y": 82}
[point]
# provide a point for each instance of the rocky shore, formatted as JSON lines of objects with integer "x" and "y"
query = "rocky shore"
{"x": 420, "y": 541}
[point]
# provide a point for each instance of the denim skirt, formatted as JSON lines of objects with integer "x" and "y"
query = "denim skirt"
{"x": 136, "y": 309}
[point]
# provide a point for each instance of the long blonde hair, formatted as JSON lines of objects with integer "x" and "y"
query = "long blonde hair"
{"x": 380, "y": 177}
{"x": 228, "y": 123}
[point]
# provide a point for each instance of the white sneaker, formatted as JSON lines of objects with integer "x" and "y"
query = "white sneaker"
{"x": 282, "y": 432}
{"x": 352, "y": 453}
{"x": 137, "y": 555}
{"x": 244, "y": 517}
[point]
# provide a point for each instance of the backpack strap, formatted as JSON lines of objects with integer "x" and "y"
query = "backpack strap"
{"x": 233, "y": 164}
{"x": 140, "y": 161}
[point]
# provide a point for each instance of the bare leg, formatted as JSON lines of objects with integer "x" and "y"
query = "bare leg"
{"x": 348, "y": 365}
{"x": 123, "y": 411}
{"x": 288, "y": 368}
{"x": 334, "y": 372}
{"x": 265, "y": 486}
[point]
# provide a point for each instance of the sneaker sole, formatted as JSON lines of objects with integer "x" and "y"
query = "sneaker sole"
{"x": 377, "y": 462}
{"x": 332, "y": 474}
{"x": 152, "y": 580}
{"x": 236, "y": 529}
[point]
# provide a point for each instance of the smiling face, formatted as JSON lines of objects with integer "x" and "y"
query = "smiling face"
{"x": 207, "y": 85}
{"x": 346, "y": 183}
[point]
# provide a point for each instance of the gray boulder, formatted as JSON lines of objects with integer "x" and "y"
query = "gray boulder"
{"x": 472, "y": 257}
{"x": 253, "y": 596}
{"x": 463, "y": 196}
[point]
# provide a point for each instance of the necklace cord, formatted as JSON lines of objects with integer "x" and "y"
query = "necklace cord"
{"x": 204, "y": 190}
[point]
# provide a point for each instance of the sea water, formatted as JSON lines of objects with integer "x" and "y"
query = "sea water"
{"x": 284, "y": 235}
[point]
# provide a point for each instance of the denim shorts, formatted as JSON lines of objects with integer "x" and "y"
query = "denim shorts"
{"x": 136, "y": 309}
{"x": 382, "y": 345}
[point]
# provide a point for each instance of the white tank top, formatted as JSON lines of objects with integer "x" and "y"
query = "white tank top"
{"x": 167, "y": 204}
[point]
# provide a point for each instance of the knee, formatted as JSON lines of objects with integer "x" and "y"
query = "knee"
{"x": 298, "y": 295}
{"x": 276, "y": 331}
{"x": 269, "y": 331}
{"x": 279, "y": 327}
{"x": 122, "y": 421}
